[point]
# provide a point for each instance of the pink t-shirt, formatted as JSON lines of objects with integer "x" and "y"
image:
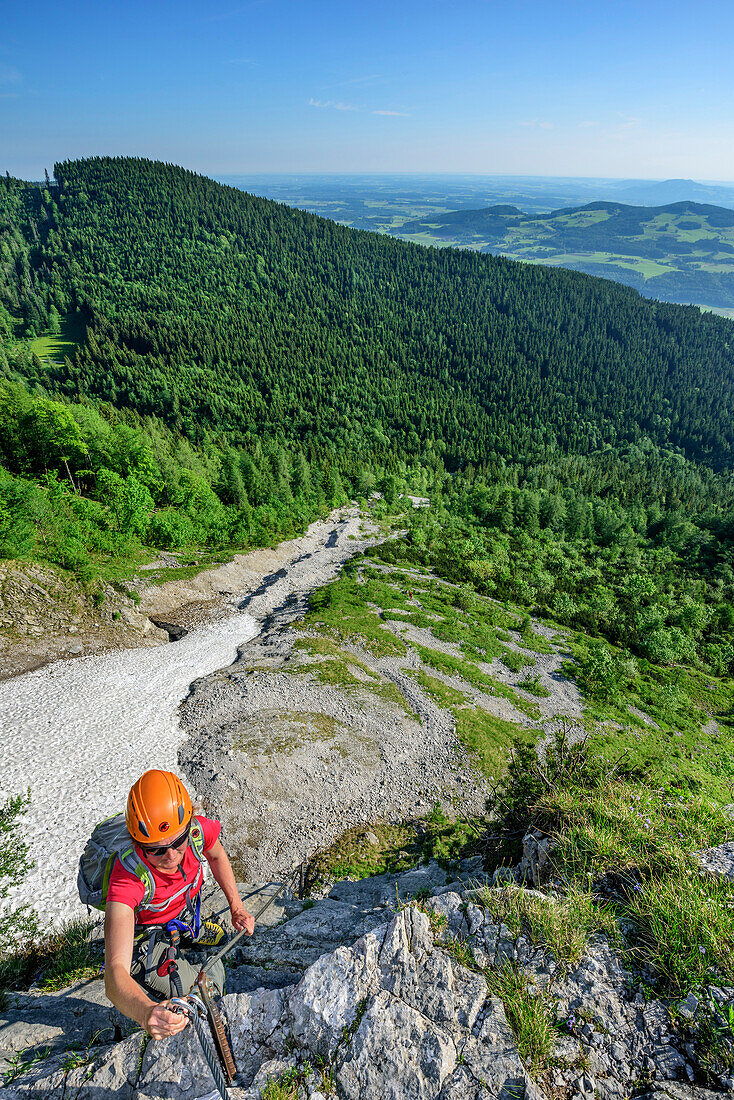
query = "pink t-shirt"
{"x": 126, "y": 887}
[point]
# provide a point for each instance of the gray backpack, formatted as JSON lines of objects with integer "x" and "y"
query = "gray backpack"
{"x": 111, "y": 841}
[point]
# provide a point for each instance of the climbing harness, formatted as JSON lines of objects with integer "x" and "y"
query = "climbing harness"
{"x": 167, "y": 967}
{"x": 173, "y": 929}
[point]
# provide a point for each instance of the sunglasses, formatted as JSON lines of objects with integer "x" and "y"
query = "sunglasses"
{"x": 161, "y": 849}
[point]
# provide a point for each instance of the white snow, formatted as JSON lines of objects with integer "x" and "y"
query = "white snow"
{"x": 79, "y": 733}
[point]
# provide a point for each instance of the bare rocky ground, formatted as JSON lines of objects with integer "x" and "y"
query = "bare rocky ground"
{"x": 45, "y": 616}
{"x": 290, "y": 762}
{"x": 365, "y": 996}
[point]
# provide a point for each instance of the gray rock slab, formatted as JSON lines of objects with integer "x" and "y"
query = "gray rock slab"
{"x": 174, "y": 1069}
{"x": 491, "y": 1055}
{"x": 40, "y": 1081}
{"x": 427, "y": 979}
{"x": 395, "y": 1054}
{"x": 254, "y": 1022}
{"x": 450, "y": 905}
{"x": 313, "y": 933}
{"x": 253, "y": 896}
{"x": 73, "y": 1018}
{"x": 676, "y": 1090}
{"x": 113, "y": 1076}
{"x": 718, "y": 861}
{"x": 389, "y": 890}
{"x": 462, "y": 1086}
{"x": 246, "y": 979}
{"x": 368, "y": 893}
{"x": 327, "y": 1000}
{"x": 422, "y": 880}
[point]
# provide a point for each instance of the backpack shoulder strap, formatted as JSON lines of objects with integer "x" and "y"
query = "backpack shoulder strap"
{"x": 196, "y": 838}
{"x": 132, "y": 862}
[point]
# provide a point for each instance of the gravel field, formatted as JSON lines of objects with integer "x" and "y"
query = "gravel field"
{"x": 288, "y": 761}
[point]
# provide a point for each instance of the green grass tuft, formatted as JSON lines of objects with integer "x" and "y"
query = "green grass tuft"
{"x": 533, "y": 685}
{"x": 338, "y": 610}
{"x": 529, "y": 1014}
{"x": 564, "y": 925}
{"x": 66, "y": 956}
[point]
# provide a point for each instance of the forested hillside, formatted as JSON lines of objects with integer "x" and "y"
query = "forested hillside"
{"x": 218, "y": 311}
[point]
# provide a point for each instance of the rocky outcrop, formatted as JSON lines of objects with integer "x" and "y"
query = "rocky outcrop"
{"x": 391, "y": 1017}
{"x": 46, "y": 613}
{"x": 349, "y": 997}
{"x": 719, "y": 861}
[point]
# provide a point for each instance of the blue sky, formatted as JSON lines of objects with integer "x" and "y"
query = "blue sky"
{"x": 639, "y": 89}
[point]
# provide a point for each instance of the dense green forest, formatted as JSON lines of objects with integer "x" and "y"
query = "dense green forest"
{"x": 86, "y": 488}
{"x": 219, "y": 312}
{"x": 657, "y": 583}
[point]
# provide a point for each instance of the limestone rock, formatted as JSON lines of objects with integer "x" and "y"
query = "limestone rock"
{"x": 327, "y": 1000}
{"x": 303, "y": 940}
{"x": 113, "y": 1076}
{"x": 43, "y": 1080}
{"x": 535, "y": 864}
{"x": 450, "y": 905}
{"x": 396, "y": 1054}
{"x": 174, "y": 1069}
{"x": 718, "y": 861}
{"x": 76, "y": 1018}
{"x": 373, "y": 996}
{"x": 491, "y": 1055}
{"x": 254, "y": 1022}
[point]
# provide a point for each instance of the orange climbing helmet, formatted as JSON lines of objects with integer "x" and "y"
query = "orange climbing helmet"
{"x": 158, "y": 808}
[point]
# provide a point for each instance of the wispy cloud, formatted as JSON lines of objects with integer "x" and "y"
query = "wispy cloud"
{"x": 230, "y": 13}
{"x": 586, "y": 125}
{"x": 240, "y": 61}
{"x": 355, "y": 80}
{"x": 332, "y": 103}
{"x": 628, "y": 121}
{"x": 9, "y": 95}
{"x": 538, "y": 124}
{"x": 336, "y": 105}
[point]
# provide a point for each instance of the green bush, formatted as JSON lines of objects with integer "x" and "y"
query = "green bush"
{"x": 170, "y": 529}
{"x": 20, "y": 925}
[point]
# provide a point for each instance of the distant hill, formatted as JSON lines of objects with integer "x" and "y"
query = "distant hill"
{"x": 659, "y": 192}
{"x": 385, "y": 201}
{"x": 681, "y": 252}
